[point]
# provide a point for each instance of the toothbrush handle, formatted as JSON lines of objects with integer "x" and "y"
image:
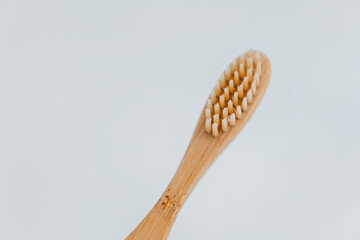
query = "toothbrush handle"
{"x": 198, "y": 157}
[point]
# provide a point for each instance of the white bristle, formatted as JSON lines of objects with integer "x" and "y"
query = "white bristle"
{"x": 249, "y": 62}
{"x": 257, "y": 58}
{"x": 217, "y": 89}
{"x": 236, "y": 98}
{"x": 246, "y": 83}
{"x": 238, "y": 112}
{"x": 215, "y": 127}
{"x": 222, "y": 81}
{"x": 227, "y": 94}
{"x": 222, "y": 101}
{"x": 210, "y": 105}
{"x": 232, "y": 120}
{"x": 225, "y": 113}
{"x": 242, "y": 70}
{"x": 213, "y": 96}
{"x": 249, "y": 73}
{"x": 249, "y": 96}
{"x": 240, "y": 90}
{"x": 253, "y": 87}
{"x": 233, "y": 66}
{"x": 230, "y": 106}
{"x": 217, "y": 108}
{"x": 224, "y": 124}
{"x": 228, "y": 73}
{"x": 208, "y": 113}
{"x": 208, "y": 125}
{"x": 258, "y": 67}
{"x": 244, "y": 104}
{"x": 231, "y": 86}
{"x": 216, "y": 118}
{"x": 257, "y": 79}
{"x": 236, "y": 78}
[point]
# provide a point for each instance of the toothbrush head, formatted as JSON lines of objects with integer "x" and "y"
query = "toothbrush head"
{"x": 234, "y": 92}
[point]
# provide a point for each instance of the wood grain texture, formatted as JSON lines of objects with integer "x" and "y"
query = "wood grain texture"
{"x": 201, "y": 153}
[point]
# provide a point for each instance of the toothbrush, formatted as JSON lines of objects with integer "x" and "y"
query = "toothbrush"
{"x": 230, "y": 105}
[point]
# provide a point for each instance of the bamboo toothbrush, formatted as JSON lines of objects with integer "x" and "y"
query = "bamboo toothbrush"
{"x": 230, "y": 105}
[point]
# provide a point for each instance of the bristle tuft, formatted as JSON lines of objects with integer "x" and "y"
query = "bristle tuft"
{"x": 240, "y": 90}
{"x": 257, "y": 79}
{"x": 213, "y": 96}
{"x": 246, "y": 83}
{"x": 236, "y": 78}
{"x": 208, "y": 113}
{"x": 217, "y": 108}
{"x": 232, "y": 120}
{"x": 217, "y": 89}
{"x": 227, "y": 94}
{"x": 231, "y": 86}
{"x": 244, "y": 104}
{"x": 208, "y": 125}
{"x": 210, "y": 105}
{"x": 249, "y": 73}
{"x": 242, "y": 70}
{"x": 216, "y": 118}
{"x": 236, "y": 98}
{"x": 225, "y": 113}
{"x": 253, "y": 87}
{"x": 249, "y": 62}
{"x": 258, "y": 67}
{"x": 238, "y": 112}
{"x": 257, "y": 58}
{"x": 249, "y": 96}
{"x": 230, "y": 106}
{"x": 222, "y": 101}
{"x": 224, "y": 124}
{"x": 215, "y": 127}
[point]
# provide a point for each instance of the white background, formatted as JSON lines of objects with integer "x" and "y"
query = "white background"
{"x": 98, "y": 101}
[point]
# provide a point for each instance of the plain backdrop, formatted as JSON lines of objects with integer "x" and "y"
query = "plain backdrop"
{"x": 99, "y": 99}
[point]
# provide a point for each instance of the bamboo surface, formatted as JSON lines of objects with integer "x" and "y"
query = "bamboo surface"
{"x": 201, "y": 153}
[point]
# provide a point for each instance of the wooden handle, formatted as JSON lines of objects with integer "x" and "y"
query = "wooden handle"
{"x": 198, "y": 157}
